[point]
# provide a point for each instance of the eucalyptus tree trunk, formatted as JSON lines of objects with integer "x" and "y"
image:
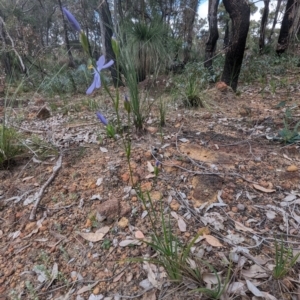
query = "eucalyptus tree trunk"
{"x": 239, "y": 12}
{"x": 286, "y": 26}
{"x": 213, "y": 32}
{"x": 296, "y": 21}
{"x": 106, "y": 26}
{"x": 67, "y": 41}
{"x": 274, "y": 21}
{"x": 190, "y": 11}
{"x": 263, "y": 24}
{"x": 226, "y": 35}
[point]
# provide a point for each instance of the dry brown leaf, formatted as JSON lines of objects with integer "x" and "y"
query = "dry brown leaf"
{"x": 253, "y": 289}
{"x": 242, "y": 227}
{"x": 94, "y": 236}
{"x": 174, "y": 215}
{"x": 150, "y": 176}
{"x": 262, "y": 189}
{"x": 86, "y": 288}
{"x": 212, "y": 240}
{"x": 210, "y": 278}
{"x": 117, "y": 278}
{"x": 27, "y": 178}
{"x": 181, "y": 225}
{"x": 150, "y": 167}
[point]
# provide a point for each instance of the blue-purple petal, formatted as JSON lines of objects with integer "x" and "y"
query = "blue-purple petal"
{"x": 96, "y": 84}
{"x": 107, "y": 65}
{"x": 91, "y": 88}
{"x": 100, "y": 62}
{"x": 101, "y": 118}
{"x": 72, "y": 20}
{"x": 97, "y": 80}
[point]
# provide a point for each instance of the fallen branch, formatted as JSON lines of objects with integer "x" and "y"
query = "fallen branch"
{"x": 38, "y": 195}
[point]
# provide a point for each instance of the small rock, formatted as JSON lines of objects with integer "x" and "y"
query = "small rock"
{"x": 125, "y": 209}
{"x": 96, "y": 291}
{"x": 123, "y": 223}
{"x": 148, "y": 154}
{"x": 152, "y": 130}
{"x": 207, "y": 116}
{"x": 155, "y": 196}
{"x": 125, "y": 177}
{"x": 221, "y": 86}
{"x": 133, "y": 192}
{"x": 134, "y": 199}
{"x": 139, "y": 235}
{"x": 30, "y": 226}
{"x": 146, "y": 187}
{"x": 174, "y": 205}
{"x": 88, "y": 223}
{"x": 43, "y": 113}
{"x": 109, "y": 208}
{"x": 234, "y": 209}
{"x": 292, "y": 168}
{"x": 241, "y": 206}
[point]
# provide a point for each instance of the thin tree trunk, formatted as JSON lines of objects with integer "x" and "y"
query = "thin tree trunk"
{"x": 239, "y": 12}
{"x": 264, "y": 21}
{"x": 296, "y": 22}
{"x": 213, "y": 32}
{"x": 5, "y": 36}
{"x": 189, "y": 19}
{"x": 226, "y": 35}
{"x": 107, "y": 33}
{"x": 274, "y": 21}
{"x": 71, "y": 59}
{"x": 286, "y": 26}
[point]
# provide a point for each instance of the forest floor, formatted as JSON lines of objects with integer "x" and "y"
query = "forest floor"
{"x": 223, "y": 175}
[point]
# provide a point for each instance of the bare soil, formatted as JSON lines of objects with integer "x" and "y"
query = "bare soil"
{"x": 220, "y": 154}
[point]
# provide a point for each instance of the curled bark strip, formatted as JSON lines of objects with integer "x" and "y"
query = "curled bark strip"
{"x": 38, "y": 195}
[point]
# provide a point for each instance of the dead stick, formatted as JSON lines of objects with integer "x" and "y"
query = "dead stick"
{"x": 39, "y": 194}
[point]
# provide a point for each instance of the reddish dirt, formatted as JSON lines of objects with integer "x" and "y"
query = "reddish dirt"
{"x": 222, "y": 147}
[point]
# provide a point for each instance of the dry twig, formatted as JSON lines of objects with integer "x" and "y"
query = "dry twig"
{"x": 38, "y": 195}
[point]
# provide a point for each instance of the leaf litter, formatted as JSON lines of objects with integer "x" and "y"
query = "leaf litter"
{"x": 256, "y": 201}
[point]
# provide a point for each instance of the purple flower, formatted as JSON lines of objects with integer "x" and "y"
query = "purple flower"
{"x": 101, "y": 118}
{"x": 96, "y": 84}
{"x": 71, "y": 20}
{"x": 157, "y": 163}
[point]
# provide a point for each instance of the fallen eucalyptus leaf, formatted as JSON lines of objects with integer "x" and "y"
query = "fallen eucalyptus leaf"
{"x": 94, "y": 236}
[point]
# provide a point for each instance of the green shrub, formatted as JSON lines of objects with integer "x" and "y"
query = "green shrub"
{"x": 9, "y": 144}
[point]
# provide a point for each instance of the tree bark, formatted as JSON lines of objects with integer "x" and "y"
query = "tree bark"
{"x": 226, "y": 35}
{"x": 274, "y": 21}
{"x": 213, "y": 32}
{"x": 189, "y": 19}
{"x": 239, "y": 12}
{"x": 296, "y": 21}
{"x": 263, "y": 24}
{"x": 106, "y": 25}
{"x": 286, "y": 26}
{"x": 70, "y": 56}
